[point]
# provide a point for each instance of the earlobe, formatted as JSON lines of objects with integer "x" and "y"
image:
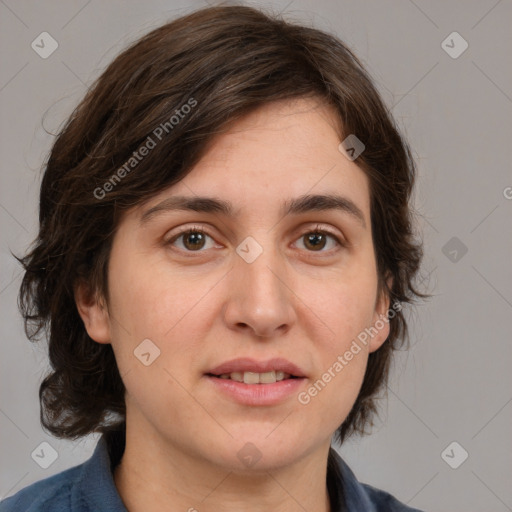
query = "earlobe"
{"x": 93, "y": 312}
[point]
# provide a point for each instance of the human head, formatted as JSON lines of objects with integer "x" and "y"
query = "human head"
{"x": 224, "y": 63}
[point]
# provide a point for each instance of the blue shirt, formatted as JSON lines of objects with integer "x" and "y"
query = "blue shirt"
{"x": 90, "y": 487}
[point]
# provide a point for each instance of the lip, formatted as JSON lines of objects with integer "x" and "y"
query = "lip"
{"x": 257, "y": 394}
{"x": 246, "y": 364}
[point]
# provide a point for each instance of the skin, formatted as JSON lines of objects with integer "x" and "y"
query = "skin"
{"x": 208, "y": 305}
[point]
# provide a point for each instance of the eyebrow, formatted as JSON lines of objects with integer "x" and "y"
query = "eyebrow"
{"x": 295, "y": 206}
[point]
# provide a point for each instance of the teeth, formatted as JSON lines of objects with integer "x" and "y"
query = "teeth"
{"x": 256, "y": 378}
{"x": 266, "y": 378}
{"x": 238, "y": 376}
{"x": 252, "y": 378}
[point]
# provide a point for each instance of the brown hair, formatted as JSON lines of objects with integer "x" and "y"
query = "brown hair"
{"x": 223, "y": 62}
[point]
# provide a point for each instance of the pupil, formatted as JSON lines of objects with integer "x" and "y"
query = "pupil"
{"x": 196, "y": 239}
{"x": 319, "y": 239}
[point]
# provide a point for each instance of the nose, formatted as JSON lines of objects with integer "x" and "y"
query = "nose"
{"x": 260, "y": 300}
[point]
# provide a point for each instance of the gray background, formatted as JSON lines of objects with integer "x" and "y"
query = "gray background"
{"x": 455, "y": 382}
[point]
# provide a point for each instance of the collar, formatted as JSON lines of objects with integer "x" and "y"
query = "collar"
{"x": 96, "y": 486}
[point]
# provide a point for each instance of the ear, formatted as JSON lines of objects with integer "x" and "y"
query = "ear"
{"x": 380, "y": 318}
{"x": 93, "y": 312}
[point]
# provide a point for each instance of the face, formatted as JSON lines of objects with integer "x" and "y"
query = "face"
{"x": 278, "y": 290}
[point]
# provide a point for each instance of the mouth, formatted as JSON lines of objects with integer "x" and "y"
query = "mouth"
{"x": 254, "y": 377}
{"x": 257, "y": 383}
{"x": 251, "y": 371}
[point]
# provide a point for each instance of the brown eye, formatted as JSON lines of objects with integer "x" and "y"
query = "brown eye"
{"x": 193, "y": 240}
{"x": 318, "y": 240}
{"x": 315, "y": 241}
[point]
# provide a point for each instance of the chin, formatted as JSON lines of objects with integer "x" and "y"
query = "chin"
{"x": 259, "y": 451}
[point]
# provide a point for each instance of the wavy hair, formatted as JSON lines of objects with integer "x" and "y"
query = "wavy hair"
{"x": 231, "y": 60}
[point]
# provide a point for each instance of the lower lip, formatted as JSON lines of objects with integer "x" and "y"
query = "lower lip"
{"x": 258, "y": 394}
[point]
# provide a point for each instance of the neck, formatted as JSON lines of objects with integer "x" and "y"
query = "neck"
{"x": 150, "y": 477}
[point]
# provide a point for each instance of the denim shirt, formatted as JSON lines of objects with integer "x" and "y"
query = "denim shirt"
{"x": 90, "y": 487}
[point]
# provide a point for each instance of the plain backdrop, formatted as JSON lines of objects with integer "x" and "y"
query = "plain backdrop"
{"x": 454, "y": 384}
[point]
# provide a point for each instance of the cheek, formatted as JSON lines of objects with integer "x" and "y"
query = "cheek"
{"x": 146, "y": 300}
{"x": 346, "y": 303}
{"x": 167, "y": 311}
{"x": 343, "y": 360}
{"x": 170, "y": 309}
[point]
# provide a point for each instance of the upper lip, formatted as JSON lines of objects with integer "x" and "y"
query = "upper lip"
{"x": 246, "y": 364}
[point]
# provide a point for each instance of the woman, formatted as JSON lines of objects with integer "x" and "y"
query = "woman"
{"x": 225, "y": 247}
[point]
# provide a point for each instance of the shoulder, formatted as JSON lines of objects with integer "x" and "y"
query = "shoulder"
{"x": 359, "y": 496}
{"x": 52, "y": 493}
{"x": 86, "y": 487}
{"x": 385, "y": 502}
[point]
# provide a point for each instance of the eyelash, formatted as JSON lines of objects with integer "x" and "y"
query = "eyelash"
{"x": 317, "y": 230}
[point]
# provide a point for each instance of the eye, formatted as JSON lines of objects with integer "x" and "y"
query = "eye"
{"x": 193, "y": 240}
{"x": 317, "y": 240}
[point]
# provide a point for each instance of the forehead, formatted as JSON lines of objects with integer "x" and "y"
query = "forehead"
{"x": 268, "y": 159}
